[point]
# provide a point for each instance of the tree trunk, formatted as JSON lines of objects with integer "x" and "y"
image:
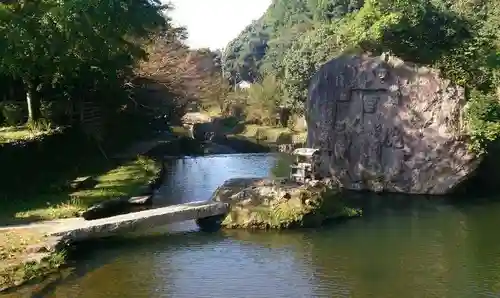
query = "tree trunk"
{"x": 34, "y": 102}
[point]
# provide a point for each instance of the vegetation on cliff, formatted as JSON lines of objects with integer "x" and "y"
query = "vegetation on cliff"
{"x": 458, "y": 37}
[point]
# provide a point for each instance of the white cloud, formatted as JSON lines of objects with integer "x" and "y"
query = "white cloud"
{"x": 213, "y": 23}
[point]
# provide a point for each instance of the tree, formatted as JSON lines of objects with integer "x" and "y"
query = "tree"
{"x": 263, "y": 99}
{"x": 80, "y": 43}
{"x": 216, "y": 89}
{"x": 260, "y": 48}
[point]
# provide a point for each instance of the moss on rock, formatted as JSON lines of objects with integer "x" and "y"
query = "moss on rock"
{"x": 279, "y": 204}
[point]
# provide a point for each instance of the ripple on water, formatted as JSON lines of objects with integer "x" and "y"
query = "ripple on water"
{"x": 443, "y": 251}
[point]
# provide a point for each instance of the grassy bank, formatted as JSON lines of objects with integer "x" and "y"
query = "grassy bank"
{"x": 21, "y": 133}
{"x": 59, "y": 175}
{"x": 23, "y": 257}
{"x": 110, "y": 180}
{"x": 267, "y": 135}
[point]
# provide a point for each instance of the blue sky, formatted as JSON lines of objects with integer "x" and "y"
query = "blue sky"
{"x": 213, "y": 23}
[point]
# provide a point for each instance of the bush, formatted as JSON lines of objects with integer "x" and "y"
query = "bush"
{"x": 483, "y": 117}
{"x": 12, "y": 112}
{"x": 263, "y": 99}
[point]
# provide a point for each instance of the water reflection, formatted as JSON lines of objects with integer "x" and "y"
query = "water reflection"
{"x": 419, "y": 248}
{"x": 194, "y": 179}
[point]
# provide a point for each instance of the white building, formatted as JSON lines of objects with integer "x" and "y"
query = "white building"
{"x": 244, "y": 85}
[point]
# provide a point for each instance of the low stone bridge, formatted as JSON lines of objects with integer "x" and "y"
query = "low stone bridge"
{"x": 79, "y": 230}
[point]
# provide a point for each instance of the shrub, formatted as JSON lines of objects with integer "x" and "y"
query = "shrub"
{"x": 483, "y": 118}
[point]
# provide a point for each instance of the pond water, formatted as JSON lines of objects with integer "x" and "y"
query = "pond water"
{"x": 428, "y": 249}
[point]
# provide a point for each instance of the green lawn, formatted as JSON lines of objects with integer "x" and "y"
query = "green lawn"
{"x": 122, "y": 180}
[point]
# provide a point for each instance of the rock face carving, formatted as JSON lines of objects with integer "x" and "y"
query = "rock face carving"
{"x": 386, "y": 125}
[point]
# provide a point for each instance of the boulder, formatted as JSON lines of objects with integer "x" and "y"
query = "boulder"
{"x": 260, "y": 203}
{"x": 203, "y": 131}
{"x": 387, "y": 125}
{"x": 83, "y": 183}
{"x": 117, "y": 206}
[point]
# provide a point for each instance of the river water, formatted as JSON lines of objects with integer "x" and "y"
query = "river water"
{"x": 429, "y": 249}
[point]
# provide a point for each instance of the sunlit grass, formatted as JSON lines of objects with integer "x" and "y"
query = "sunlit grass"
{"x": 124, "y": 180}
{"x": 180, "y": 131}
{"x": 20, "y": 133}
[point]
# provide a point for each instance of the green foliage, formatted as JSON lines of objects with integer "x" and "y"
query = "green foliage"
{"x": 272, "y": 63}
{"x": 455, "y": 45}
{"x": 41, "y": 125}
{"x": 483, "y": 117}
{"x": 263, "y": 99}
{"x": 75, "y": 47}
{"x": 260, "y": 48}
{"x": 243, "y": 56}
{"x": 303, "y": 59}
{"x": 458, "y": 37}
{"x": 54, "y": 111}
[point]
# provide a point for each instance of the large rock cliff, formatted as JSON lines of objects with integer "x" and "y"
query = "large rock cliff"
{"x": 386, "y": 125}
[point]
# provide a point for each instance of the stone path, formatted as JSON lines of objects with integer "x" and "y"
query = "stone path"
{"x": 78, "y": 230}
{"x": 44, "y": 225}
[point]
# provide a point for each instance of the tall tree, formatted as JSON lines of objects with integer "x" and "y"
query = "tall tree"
{"x": 84, "y": 42}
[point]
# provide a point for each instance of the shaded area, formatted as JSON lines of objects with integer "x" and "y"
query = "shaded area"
{"x": 110, "y": 181}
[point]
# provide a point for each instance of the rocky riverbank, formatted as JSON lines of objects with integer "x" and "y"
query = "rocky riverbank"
{"x": 257, "y": 203}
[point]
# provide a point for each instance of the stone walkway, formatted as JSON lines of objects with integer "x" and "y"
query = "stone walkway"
{"x": 77, "y": 229}
{"x": 91, "y": 229}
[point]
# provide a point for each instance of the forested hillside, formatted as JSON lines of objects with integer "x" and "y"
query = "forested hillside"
{"x": 262, "y": 45}
{"x": 459, "y": 37}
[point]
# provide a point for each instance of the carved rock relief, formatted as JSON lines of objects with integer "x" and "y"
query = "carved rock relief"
{"x": 376, "y": 121}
